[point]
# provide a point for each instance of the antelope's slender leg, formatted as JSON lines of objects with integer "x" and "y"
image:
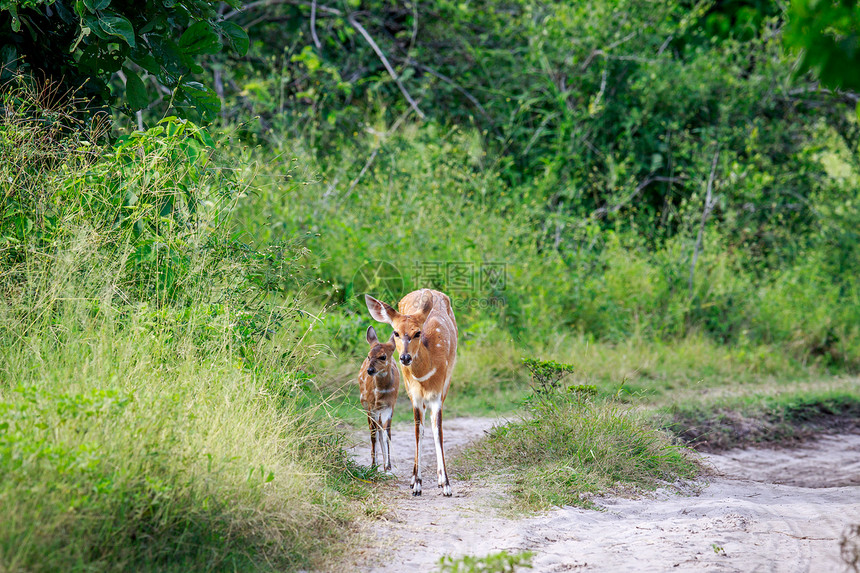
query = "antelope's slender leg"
{"x": 418, "y": 413}
{"x": 441, "y": 470}
{"x": 385, "y": 437}
{"x": 372, "y": 423}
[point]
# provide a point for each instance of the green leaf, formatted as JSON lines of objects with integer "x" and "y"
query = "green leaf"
{"x": 117, "y": 26}
{"x": 96, "y": 5}
{"x": 135, "y": 91}
{"x": 238, "y": 37}
{"x": 91, "y": 24}
{"x": 166, "y": 53}
{"x": 16, "y": 22}
{"x": 96, "y": 62}
{"x": 201, "y": 98}
{"x": 145, "y": 60}
{"x": 200, "y": 38}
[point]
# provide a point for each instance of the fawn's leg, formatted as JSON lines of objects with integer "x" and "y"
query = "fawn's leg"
{"x": 385, "y": 437}
{"x": 372, "y": 424}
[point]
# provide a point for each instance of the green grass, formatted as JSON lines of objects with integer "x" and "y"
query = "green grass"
{"x": 786, "y": 417}
{"x": 117, "y": 453}
{"x": 155, "y": 414}
{"x": 573, "y": 446}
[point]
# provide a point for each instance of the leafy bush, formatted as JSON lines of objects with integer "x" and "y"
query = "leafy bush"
{"x": 80, "y": 45}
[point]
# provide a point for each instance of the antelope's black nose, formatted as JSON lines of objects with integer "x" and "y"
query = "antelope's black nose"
{"x": 406, "y": 359}
{"x": 371, "y": 371}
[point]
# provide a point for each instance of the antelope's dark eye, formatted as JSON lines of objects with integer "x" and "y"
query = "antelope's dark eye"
{"x": 417, "y": 334}
{"x": 383, "y": 357}
{"x": 396, "y": 335}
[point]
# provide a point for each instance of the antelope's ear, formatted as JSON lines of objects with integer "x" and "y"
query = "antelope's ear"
{"x": 426, "y": 306}
{"x": 391, "y": 340}
{"x": 371, "y": 336}
{"x": 379, "y": 310}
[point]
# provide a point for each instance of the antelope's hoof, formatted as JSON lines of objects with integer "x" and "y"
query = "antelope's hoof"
{"x": 446, "y": 490}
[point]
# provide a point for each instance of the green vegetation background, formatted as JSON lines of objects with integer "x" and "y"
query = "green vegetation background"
{"x": 672, "y": 195}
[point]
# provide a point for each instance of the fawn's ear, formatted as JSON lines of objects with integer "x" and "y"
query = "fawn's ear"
{"x": 371, "y": 336}
{"x": 391, "y": 340}
{"x": 379, "y": 310}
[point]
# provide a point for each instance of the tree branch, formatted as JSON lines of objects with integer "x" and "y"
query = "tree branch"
{"x": 355, "y": 24}
{"x": 709, "y": 205}
{"x": 314, "y": 25}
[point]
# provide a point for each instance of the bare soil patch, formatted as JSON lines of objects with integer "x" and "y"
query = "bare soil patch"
{"x": 773, "y": 509}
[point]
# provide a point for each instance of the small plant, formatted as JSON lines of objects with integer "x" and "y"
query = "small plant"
{"x": 718, "y": 549}
{"x": 546, "y": 375}
{"x": 582, "y": 390}
{"x": 501, "y": 562}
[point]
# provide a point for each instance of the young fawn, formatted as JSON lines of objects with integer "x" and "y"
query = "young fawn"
{"x": 425, "y": 333}
{"x": 379, "y": 381}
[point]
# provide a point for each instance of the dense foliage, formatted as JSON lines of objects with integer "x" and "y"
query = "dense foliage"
{"x": 80, "y": 45}
{"x": 659, "y": 190}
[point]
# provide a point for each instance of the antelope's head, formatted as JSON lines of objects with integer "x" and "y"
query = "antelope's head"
{"x": 379, "y": 356}
{"x": 408, "y": 328}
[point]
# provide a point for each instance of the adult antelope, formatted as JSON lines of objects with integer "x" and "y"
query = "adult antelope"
{"x": 425, "y": 333}
{"x": 378, "y": 382}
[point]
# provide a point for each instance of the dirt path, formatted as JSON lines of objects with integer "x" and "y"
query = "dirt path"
{"x": 763, "y": 510}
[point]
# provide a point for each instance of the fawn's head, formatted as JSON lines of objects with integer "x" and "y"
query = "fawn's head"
{"x": 408, "y": 328}
{"x": 380, "y": 354}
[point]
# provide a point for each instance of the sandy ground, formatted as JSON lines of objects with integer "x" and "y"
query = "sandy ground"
{"x": 761, "y": 510}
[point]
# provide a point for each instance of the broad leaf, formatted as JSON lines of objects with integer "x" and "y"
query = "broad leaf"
{"x": 200, "y": 38}
{"x": 144, "y": 59}
{"x": 135, "y": 91}
{"x": 117, "y": 26}
{"x": 96, "y": 5}
{"x": 167, "y": 53}
{"x": 238, "y": 38}
{"x": 201, "y": 98}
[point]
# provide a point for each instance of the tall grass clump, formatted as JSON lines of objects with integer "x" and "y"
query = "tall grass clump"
{"x": 150, "y": 379}
{"x": 573, "y": 444}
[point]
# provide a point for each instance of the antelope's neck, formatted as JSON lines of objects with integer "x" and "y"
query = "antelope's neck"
{"x": 422, "y": 367}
